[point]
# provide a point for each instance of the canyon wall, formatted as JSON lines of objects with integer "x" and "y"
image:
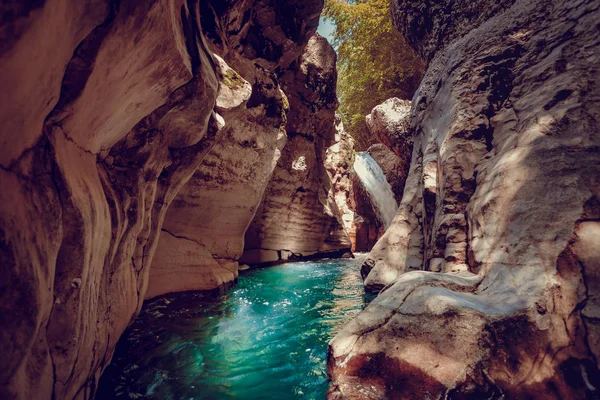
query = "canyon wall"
{"x": 338, "y": 162}
{"x": 107, "y": 110}
{"x": 500, "y": 218}
{"x": 298, "y": 216}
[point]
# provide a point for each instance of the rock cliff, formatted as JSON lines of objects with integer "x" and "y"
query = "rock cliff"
{"x": 500, "y": 215}
{"x": 96, "y": 143}
{"x": 338, "y": 162}
{"x": 203, "y": 234}
{"x": 298, "y": 216}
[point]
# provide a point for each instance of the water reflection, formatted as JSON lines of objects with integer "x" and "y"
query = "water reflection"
{"x": 265, "y": 339}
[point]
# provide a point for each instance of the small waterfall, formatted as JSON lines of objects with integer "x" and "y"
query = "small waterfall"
{"x": 376, "y": 185}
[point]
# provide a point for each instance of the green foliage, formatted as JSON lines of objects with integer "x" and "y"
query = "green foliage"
{"x": 374, "y": 61}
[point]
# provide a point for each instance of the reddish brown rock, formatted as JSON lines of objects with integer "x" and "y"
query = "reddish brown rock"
{"x": 298, "y": 215}
{"x": 83, "y": 204}
{"x": 502, "y": 200}
{"x": 106, "y": 111}
{"x": 339, "y": 160}
{"x": 210, "y": 216}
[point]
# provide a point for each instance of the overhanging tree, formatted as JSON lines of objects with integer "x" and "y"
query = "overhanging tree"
{"x": 374, "y": 61}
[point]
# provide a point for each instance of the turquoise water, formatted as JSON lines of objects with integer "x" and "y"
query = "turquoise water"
{"x": 266, "y": 338}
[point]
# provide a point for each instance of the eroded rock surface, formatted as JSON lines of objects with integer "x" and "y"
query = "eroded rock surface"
{"x": 499, "y": 214}
{"x": 339, "y": 161}
{"x": 107, "y": 109}
{"x": 389, "y": 123}
{"x": 298, "y": 215}
{"x": 210, "y": 216}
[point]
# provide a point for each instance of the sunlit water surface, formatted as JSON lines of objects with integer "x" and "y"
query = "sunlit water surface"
{"x": 266, "y": 338}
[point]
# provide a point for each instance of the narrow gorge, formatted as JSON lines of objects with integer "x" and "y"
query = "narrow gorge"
{"x": 196, "y": 205}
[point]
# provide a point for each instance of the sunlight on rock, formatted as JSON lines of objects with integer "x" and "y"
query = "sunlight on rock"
{"x": 299, "y": 164}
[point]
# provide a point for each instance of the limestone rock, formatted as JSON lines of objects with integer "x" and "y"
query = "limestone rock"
{"x": 233, "y": 89}
{"x": 502, "y": 199}
{"x": 298, "y": 212}
{"x": 84, "y": 195}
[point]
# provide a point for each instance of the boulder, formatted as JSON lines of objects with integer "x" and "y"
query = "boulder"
{"x": 389, "y": 123}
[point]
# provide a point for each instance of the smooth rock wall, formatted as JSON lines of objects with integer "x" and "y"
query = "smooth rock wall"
{"x": 203, "y": 236}
{"x": 97, "y": 104}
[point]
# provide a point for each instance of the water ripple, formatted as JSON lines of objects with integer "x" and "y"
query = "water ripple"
{"x": 265, "y": 339}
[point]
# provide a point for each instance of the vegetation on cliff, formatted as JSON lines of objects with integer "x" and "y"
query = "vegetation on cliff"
{"x": 374, "y": 61}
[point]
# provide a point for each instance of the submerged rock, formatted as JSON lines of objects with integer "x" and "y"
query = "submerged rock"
{"x": 499, "y": 216}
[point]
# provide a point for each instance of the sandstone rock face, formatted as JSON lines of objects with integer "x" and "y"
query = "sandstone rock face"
{"x": 187, "y": 256}
{"x": 298, "y": 215}
{"x": 95, "y": 143}
{"x": 86, "y": 190}
{"x": 339, "y": 161}
{"x": 499, "y": 214}
{"x": 203, "y": 234}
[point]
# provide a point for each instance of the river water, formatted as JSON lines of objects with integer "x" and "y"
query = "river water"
{"x": 266, "y": 338}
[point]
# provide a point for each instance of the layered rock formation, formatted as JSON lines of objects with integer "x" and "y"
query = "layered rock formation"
{"x": 98, "y": 139}
{"x": 500, "y": 214}
{"x": 338, "y": 162}
{"x": 298, "y": 216}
